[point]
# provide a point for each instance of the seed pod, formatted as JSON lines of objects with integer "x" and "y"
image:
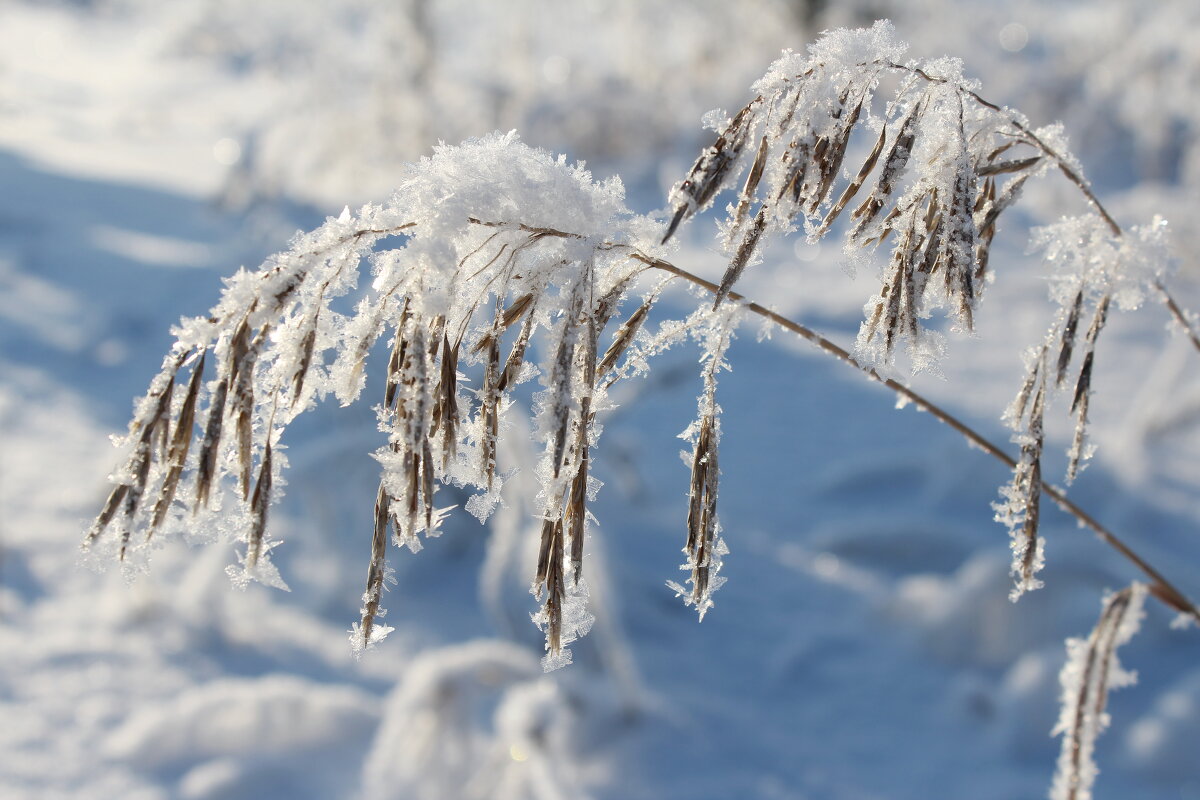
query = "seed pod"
{"x": 111, "y": 505}
{"x": 1067, "y": 342}
{"x": 1016, "y": 409}
{"x": 1091, "y": 671}
{"x": 139, "y": 463}
{"x": 830, "y": 161}
{"x": 577, "y": 513}
{"x": 1004, "y": 167}
{"x": 744, "y": 253}
{"x": 207, "y": 468}
{"x": 306, "y": 354}
{"x": 180, "y": 444}
{"x": 623, "y": 338}
{"x": 798, "y": 156}
{"x": 447, "y": 409}
{"x": 259, "y": 504}
{"x": 517, "y": 310}
{"x": 489, "y": 411}
{"x": 702, "y": 510}
{"x": 1083, "y": 385}
{"x": 373, "y": 596}
{"x": 427, "y": 478}
{"x": 1079, "y": 451}
{"x": 746, "y": 198}
{"x": 708, "y": 175}
{"x": 854, "y": 185}
{"x": 1012, "y": 190}
{"x": 397, "y": 359}
{"x": 555, "y": 587}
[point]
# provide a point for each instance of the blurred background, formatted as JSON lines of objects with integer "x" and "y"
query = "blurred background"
{"x": 864, "y": 646}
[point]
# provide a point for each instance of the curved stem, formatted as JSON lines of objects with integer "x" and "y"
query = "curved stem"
{"x": 1178, "y": 314}
{"x": 1162, "y": 588}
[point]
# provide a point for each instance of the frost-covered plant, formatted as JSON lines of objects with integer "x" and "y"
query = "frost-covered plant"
{"x": 1091, "y": 671}
{"x": 495, "y": 264}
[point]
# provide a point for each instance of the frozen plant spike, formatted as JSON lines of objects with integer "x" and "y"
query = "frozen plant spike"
{"x": 1020, "y": 509}
{"x": 1090, "y": 672}
{"x": 704, "y": 547}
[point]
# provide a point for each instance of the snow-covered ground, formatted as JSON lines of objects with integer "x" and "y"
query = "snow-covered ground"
{"x": 864, "y": 646}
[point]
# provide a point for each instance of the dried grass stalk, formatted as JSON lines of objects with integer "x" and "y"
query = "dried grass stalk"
{"x": 943, "y": 218}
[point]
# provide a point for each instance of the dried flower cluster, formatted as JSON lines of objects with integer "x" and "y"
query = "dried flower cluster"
{"x": 942, "y": 168}
{"x": 460, "y": 285}
{"x": 495, "y": 264}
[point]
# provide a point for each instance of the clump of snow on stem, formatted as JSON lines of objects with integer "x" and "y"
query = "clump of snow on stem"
{"x": 844, "y": 48}
{"x": 1084, "y": 251}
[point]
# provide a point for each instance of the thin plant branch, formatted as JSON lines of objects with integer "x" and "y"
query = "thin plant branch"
{"x": 1161, "y": 587}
